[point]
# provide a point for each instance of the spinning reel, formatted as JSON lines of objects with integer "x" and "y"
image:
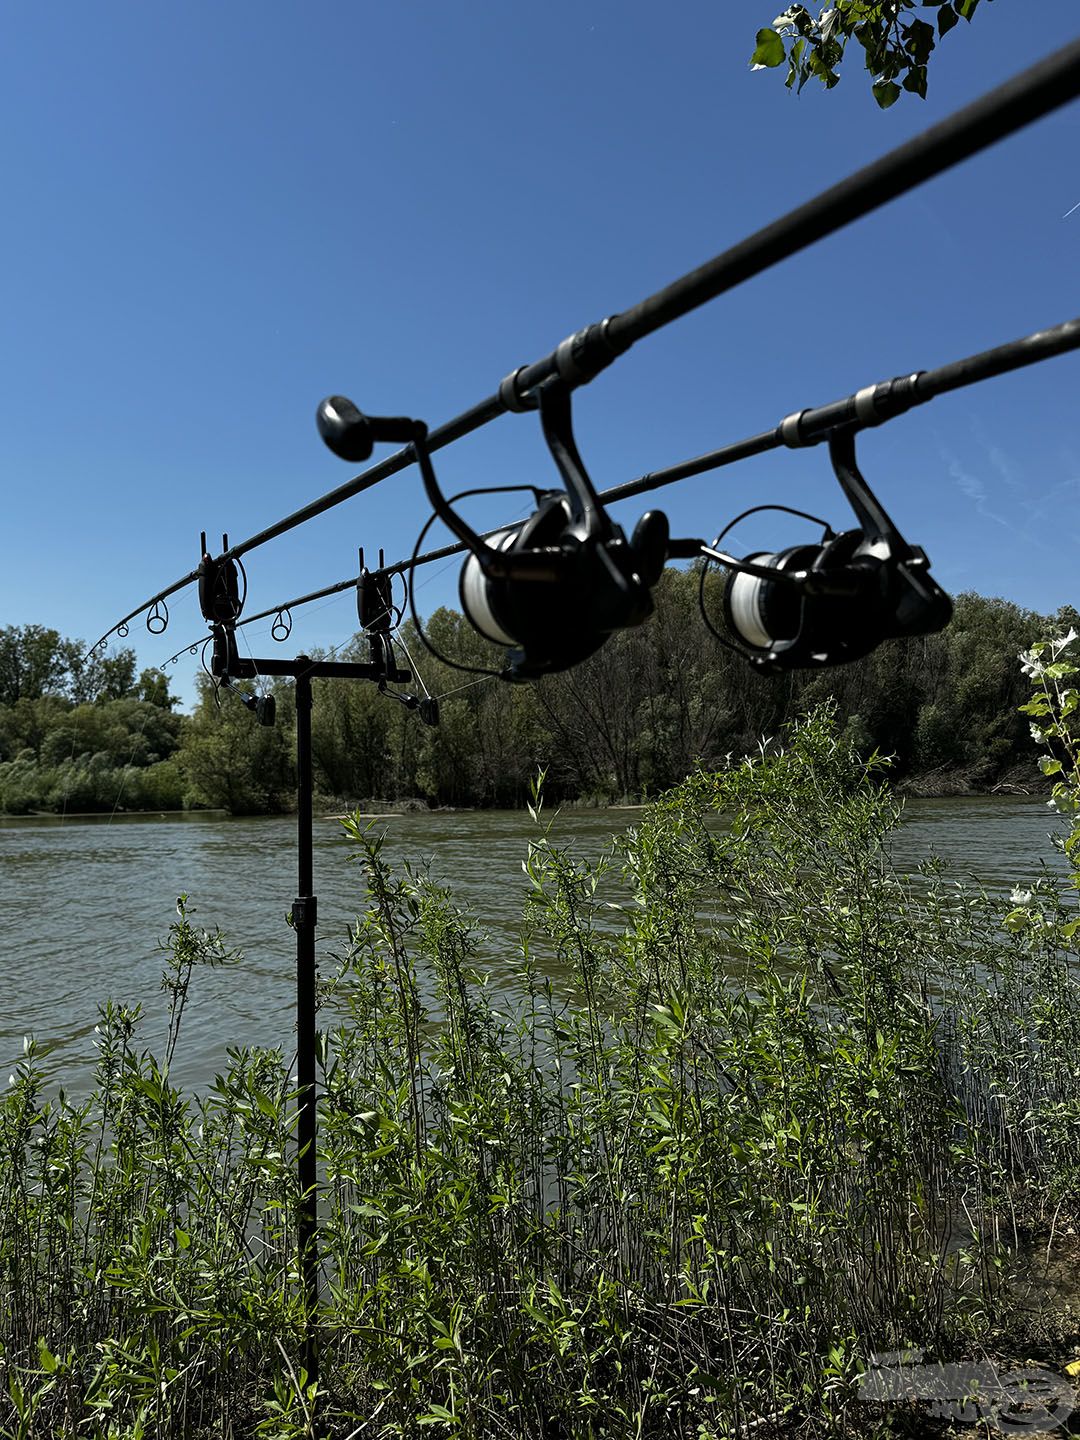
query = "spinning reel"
{"x": 554, "y": 588}
{"x": 831, "y": 602}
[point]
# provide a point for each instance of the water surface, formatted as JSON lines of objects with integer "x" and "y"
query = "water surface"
{"x": 86, "y": 902}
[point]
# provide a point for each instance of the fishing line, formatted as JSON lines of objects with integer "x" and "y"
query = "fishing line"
{"x": 71, "y": 766}
{"x": 469, "y": 684}
{"x": 420, "y": 634}
{"x": 870, "y": 406}
{"x": 251, "y": 657}
{"x": 71, "y": 762}
{"x": 215, "y": 685}
{"x": 415, "y": 668}
{"x": 518, "y": 520}
{"x": 147, "y": 706}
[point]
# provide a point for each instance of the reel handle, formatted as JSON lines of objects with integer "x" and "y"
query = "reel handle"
{"x": 352, "y": 435}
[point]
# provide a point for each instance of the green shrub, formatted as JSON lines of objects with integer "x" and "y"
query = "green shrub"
{"x": 784, "y": 1108}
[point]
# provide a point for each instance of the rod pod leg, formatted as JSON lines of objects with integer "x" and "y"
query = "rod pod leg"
{"x": 305, "y": 914}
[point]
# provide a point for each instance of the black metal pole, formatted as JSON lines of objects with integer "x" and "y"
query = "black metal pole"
{"x": 226, "y": 665}
{"x": 304, "y": 916}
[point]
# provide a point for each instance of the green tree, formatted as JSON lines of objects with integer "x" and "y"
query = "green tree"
{"x": 112, "y": 677}
{"x": 229, "y": 760}
{"x": 353, "y": 735}
{"x": 897, "y": 39}
{"x": 26, "y": 724}
{"x": 34, "y": 661}
{"x": 153, "y": 687}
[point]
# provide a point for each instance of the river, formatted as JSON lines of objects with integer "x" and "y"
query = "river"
{"x": 86, "y": 901}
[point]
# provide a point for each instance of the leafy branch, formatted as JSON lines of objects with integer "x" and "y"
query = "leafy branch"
{"x": 897, "y": 43}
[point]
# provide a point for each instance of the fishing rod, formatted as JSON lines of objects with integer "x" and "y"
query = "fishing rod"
{"x": 869, "y": 406}
{"x": 1020, "y": 101}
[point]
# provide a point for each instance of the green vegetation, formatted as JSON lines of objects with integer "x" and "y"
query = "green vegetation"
{"x": 630, "y": 722}
{"x": 78, "y": 734}
{"x": 897, "y": 38}
{"x": 695, "y": 1189}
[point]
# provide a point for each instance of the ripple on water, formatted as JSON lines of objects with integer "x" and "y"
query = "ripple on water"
{"x": 86, "y": 903}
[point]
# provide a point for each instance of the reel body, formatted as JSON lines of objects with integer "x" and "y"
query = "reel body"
{"x": 593, "y": 586}
{"x": 834, "y": 601}
{"x": 554, "y": 589}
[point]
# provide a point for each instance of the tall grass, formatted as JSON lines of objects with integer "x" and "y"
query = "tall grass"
{"x": 788, "y": 1109}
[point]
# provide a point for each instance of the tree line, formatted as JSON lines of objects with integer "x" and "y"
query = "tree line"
{"x": 631, "y": 721}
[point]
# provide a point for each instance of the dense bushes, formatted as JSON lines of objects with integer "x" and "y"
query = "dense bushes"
{"x": 784, "y": 1109}
{"x": 89, "y": 757}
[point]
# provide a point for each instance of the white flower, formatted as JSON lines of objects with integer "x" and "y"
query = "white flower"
{"x": 1020, "y": 897}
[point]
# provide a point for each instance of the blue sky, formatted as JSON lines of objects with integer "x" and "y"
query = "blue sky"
{"x": 216, "y": 214}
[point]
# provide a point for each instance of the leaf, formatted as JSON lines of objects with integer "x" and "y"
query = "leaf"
{"x": 946, "y": 19}
{"x": 438, "y": 1415}
{"x": 46, "y": 1359}
{"x": 915, "y": 81}
{"x": 770, "y": 50}
{"x": 828, "y": 22}
{"x": 886, "y": 93}
{"x": 1016, "y": 920}
{"x": 183, "y": 1239}
{"x": 920, "y": 41}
